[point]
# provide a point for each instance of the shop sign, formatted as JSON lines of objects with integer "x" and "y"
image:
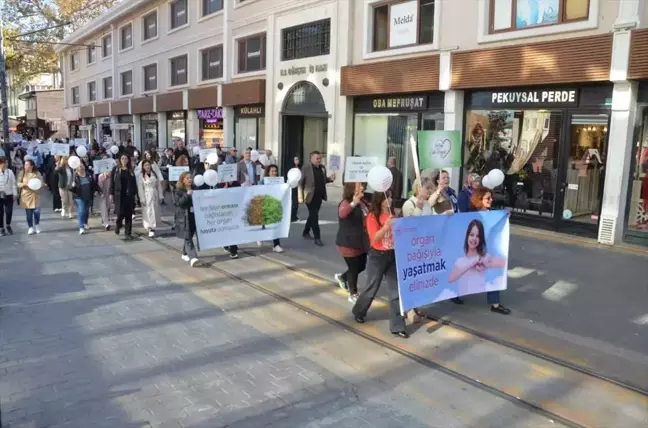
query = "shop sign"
{"x": 393, "y": 103}
{"x": 251, "y": 111}
{"x": 127, "y": 118}
{"x": 85, "y": 127}
{"x": 176, "y": 115}
{"x": 211, "y": 114}
{"x": 149, "y": 117}
{"x": 403, "y": 24}
{"x": 568, "y": 97}
{"x": 120, "y": 126}
{"x": 297, "y": 71}
{"x": 212, "y": 125}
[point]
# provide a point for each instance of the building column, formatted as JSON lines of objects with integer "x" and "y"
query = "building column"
{"x": 620, "y": 143}
{"x": 272, "y": 123}
{"x": 228, "y": 67}
{"x": 453, "y": 110}
{"x": 137, "y": 131}
{"x": 193, "y": 127}
{"x": 162, "y": 130}
{"x": 228, "y": 126}
{"x": 342, "y": 121}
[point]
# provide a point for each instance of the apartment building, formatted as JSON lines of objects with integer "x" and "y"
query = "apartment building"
{"x": 549, "y": 91}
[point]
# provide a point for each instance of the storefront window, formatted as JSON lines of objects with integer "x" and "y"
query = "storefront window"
{"x": 211, "y": 126}
{"x": 249, "y": 127}
{"x": 638, "y": 218}
{"x": 176, "y": 127}
{"x": 149, "y": 125}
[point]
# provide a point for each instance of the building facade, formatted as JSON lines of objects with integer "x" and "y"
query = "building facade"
{"x": 554, "y": 93}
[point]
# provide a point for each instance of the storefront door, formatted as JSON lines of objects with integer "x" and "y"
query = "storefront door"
{"x": 580, "y": 179}
{"x": 637, "y": 207}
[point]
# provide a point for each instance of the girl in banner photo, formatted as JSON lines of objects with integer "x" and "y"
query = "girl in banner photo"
{"x": 469, "y": 272}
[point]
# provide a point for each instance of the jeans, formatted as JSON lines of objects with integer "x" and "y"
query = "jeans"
{"x": 355, "y": 266}
{"x": 82, "y": 211}
{"x": 6, "y": 210}
{"x": 381, "y": 264}
{"x": 189, "y": 248}
{"x": 493, "y": 297}
{"x": 33, "y": 216}
{"x": 313, "y": 217}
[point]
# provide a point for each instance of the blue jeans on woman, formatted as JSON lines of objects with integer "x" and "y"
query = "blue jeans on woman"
{"x": 33, "y": 216}
{"x": 493, "y": 297}
{"x": 82, "y": 211}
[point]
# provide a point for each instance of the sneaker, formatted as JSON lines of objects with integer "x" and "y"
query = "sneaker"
{"x": 70, "y": 216}
{"x": 259, "y": 243}
{"x": 185, "y": 257}
{"x": 37, "y": 229}
{"x": 82, "y": 231}
{"x": 2, "y": 232}
{"x": 9, "y": 230}
{"x": 193, "y": 262}
{"x": 30, "y": 231}
{"x": 226, "y": 249}
{"x": 234, "y": 256}
{"x": 500, "y": 309}
{"x": 278, "y": 249}
{"x": 107, "y": 227}
{"x": 58, "y": 210}
{"x": 340, "y": 280}
{"x": 151, "y": 234}
{"x": 86, "y": 227}
{"x": 62, "y": 213}
{"x": 353, "y": 298}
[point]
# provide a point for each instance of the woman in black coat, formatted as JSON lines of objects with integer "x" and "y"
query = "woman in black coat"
{"x": 123, "y": 189}
{"x": 185, "y": 222}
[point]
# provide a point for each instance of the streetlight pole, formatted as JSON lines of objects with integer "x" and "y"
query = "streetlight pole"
{"x": 3, "y": 88}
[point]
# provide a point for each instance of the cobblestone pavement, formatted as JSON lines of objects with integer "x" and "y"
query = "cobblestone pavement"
{"x": 96, "y": 332}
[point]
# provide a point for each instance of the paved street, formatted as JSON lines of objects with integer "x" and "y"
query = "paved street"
{"x": 96, "y": 332}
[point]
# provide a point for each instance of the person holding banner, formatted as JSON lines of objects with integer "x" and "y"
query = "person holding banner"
{"x": 149, "y": 187}
{"x": 470, "y": 271}
{"x": 444, "y": 199}
{"x": 419, "y": 203}
{"x": 185, "y": 220}
{"x": 351, "y": 240}
{"x": 123, "y": 189}
{"x": 273, "y": 171}
{"x": 381, "y": 263}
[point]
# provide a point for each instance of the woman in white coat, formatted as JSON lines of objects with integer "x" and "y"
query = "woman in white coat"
{"x": 149, "y": 187}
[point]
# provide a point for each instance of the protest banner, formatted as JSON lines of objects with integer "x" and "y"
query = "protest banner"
{"x": 227, "y": 172}
{"x": 205, "y": 152}
{"x": 78, "y": 142}
{"x": 356, "y": 168}
{"x": 240, "y": 215}
{"x": 60, "y": 149}
{"x": 175, "y": 171}
{"x": 273, "y": 180}
{"x": 103, "y": 165}
{"x": 439, "y": 149}
{"x": 334, "y": 162}
{"x": 442, "y": 257}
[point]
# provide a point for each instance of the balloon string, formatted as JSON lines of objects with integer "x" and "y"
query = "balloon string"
{"x": 389, "y": 206}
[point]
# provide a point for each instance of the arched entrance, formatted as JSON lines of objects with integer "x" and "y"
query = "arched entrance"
{"x": 304, "y": 124}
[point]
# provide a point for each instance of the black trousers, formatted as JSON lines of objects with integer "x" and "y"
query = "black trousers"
{"x": 355, "y": 266}
{"x": 295, "y": 205}
{"x": 56, "y": 199}
{"x": 127, "y": 221}
{"x": 6, "y": 210}
{"x": 189, "y": 248}
{"x": 313, "y": 217}
{"x": 233, "y": 249}
{"x": 381, "y": 264}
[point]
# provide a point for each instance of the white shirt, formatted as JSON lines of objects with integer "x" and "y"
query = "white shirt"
{"x": 8, "y": 182}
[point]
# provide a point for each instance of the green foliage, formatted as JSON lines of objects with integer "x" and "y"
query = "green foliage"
{"x": 264, "y": 210}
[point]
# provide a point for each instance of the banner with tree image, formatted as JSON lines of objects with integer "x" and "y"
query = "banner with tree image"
{"x": 241, "y": 215}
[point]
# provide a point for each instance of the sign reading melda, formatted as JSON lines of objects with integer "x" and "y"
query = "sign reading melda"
{"x": 567, "y": 97}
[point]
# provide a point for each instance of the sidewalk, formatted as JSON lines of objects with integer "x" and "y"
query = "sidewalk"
{"x": 582, "y": 304}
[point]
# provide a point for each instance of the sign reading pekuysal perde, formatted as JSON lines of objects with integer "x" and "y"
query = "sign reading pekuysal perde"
{"x": 564, "y": 97}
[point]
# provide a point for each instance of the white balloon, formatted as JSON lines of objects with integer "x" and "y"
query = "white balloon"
{"x": 211, "y": 177}
{"x": 294, "y": 174}
{"x": 380, "y": 178}
{"x": 496, "y": 177}
{"x": 293, "y": 183}
{"x": 34, "y": 184}
{"x": 264, "y": 160}
{"x": 81, "y": 151}
{"x": 212, "y": 158}
{"x": 487, "y": 182}
{"x": 74, "y": 162}
{"x": 199, "y": 180}
{"x": 254, "y": 155}
{"x": 196, "y": 151}
{"x": 114, "y": 150}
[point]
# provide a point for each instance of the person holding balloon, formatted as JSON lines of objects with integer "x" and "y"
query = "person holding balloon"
{"x": 30, "y": 182}
{"x": 123, "y": 188}
{"x": 83, "y": 188}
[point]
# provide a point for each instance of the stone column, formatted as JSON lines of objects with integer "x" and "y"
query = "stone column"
{"x": 453, "y": 110}
{"x": 162, "y": 131}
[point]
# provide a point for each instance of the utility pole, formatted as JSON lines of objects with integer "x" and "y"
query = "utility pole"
{"x": 3, "y": 89}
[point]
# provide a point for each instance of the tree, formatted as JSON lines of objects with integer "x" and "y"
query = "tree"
{"x": 264, "y": 210}
{"x": 34, "y": 54}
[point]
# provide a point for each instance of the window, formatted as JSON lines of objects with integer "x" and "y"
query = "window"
{"x": 212, "y": 63}
{"x": 508, "y": 15}
{"x": 75, "y": 95}
{"x": 92, "y": 91}
{"x": 92, "y": 54}
{"x": 106, "y": 46}
{"x": 126, "y": 37}
{"x": 307, "y": 40}
{"x": 251, "y": 54}
{"x": 74, "y": 61}
{"x": 149, "y": 23}
{"x": 211, "y": 6}
{"x": 178, "y": 13}
{"x": 638, "y": 213}
{"x": 179, "y": 70}
{"x": 107, "y": 87}
{"x": 127, "y": 83}
{"x": 150, "y": 78}
{"x": 401, "y": 24}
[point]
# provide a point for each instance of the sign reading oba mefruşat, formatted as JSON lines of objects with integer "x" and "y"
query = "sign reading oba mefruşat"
{"x": 400, "y": 103}
{"x": 568, "y": 97}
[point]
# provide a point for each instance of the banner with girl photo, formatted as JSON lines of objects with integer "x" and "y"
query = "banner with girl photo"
{"x": 446, "y": 256}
